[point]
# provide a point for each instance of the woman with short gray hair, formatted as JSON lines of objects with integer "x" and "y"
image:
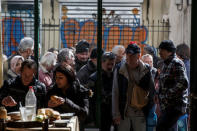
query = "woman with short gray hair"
{"x": 47, "y": 64}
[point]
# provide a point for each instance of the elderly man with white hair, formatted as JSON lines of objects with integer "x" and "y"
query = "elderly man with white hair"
{"x": 119, "y": 51}
{"x": 47, "y": 64}
{"x": 66, "y": 56}
{"x": 26, "y": 47}
{"x": 151, "y": 119}
{"x": 148, "y": 59}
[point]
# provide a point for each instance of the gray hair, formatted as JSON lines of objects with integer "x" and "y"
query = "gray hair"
{"x": 147, "y": 55}
{"x": 48, "y": 59}
{"x": 64, "y": 55}
{"x": 26, "y": 43}
{"x": 116, "y": 48}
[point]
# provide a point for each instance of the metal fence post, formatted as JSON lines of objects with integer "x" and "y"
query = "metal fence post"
{"x": 36, "y": 31}
{"x": 99, "y": 79}
{"x": 193, "y": 83}
{"x": 1, "y": 52}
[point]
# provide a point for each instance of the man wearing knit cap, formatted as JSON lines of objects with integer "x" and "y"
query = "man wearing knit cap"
{"x": 173, "y": 83}
{"x": 82, "y": 54}
{"x": 86, "y": 70}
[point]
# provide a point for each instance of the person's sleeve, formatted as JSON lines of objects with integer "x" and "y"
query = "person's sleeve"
{"x": 45, "y": 103}
{"x": 181, "y": 81}
{"x": 147, "y": 83}
{"x": 115, "y": 96}
{"x": 152, "y": 91}
{"x": 80, "y": 110}
{"x": 41, "y": 95}
{"x": 3, "y": 91}
{"x": 81, "y": 76}
{"x": 76, "y": 108}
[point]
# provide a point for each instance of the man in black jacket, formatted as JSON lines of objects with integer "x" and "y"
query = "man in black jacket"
{"x": 108, "y": 63}
{"x": 84, "y": 73}
{"x": 14, "y": 91}
{"x": 82, "y": 54}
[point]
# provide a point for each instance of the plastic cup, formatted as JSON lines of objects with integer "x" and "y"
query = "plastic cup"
{"x": 23, "y": 113}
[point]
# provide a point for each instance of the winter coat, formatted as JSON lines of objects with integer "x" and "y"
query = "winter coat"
{"x": 120, "y": 89}
{"x": 106, "y": 98}
{"x": 173, "y": 84}
{"x": 11, "y": 74}
{"x": 15, "y": 89}
{"x": 79, "y": 64}
{"x": 84, "y": 73}
{"x": 76, "y": 100}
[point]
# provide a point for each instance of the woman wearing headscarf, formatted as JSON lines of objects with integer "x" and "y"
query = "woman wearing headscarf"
{"x": 15, "y": 66}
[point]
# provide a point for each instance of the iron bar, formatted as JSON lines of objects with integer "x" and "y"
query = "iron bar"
{"x": 193, "y": 71}
{"x": 36, "y": 32}
{"x": 99, "y": 77}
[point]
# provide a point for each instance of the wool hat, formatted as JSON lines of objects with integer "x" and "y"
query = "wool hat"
{"x": 149, "y": 49}
{"x": 133, "y": 48}
{"x": 82, "y": 46}
{"x": 93, "y": 53}
{"x": 167, "y": 45}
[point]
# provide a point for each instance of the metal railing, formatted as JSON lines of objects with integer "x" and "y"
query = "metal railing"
{"x": 66, "y": 33}
{"x": 120, "y": 26}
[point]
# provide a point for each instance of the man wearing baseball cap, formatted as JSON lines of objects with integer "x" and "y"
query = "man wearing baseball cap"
{"x": 127, "y": 74}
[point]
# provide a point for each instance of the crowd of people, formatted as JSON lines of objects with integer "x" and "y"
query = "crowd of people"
{"x": 138, "y": 92}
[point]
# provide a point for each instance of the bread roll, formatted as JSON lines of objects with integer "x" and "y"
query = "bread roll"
{"x": 49, "y": 112}
{"x": 56, "y": 115}
{"x": 54, "y": 98}
{"x": 41, "y": 111}
{"x": 3, "y": 113}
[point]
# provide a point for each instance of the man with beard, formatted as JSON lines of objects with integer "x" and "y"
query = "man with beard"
{"x": 82, "y": 54}
{"x": 108, "y": 63}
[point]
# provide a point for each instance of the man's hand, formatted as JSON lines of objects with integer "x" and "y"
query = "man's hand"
{"x": 8, "y": 101}
{"x": 57, "y": 102}
{"x": 117, "y": 120}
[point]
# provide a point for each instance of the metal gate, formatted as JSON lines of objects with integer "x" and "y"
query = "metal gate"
{"x": 122, "y": 23}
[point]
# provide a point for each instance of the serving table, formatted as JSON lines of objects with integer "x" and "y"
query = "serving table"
{"x": 72, "y": 125}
